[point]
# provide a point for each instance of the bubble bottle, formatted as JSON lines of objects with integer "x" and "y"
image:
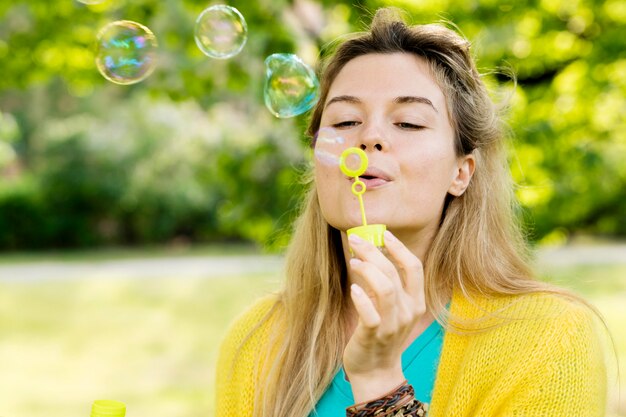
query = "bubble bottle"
{"x": 353, "y": 163}
{"x": 108, "y": 408}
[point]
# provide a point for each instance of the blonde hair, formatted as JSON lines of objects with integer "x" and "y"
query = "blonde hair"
{"x": 479, "y": 247}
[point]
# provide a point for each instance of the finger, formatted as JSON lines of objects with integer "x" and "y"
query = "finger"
{"x": 409, "y": 266}
{"x": 367, "y": 252}
{"x": 368, "y": 315}
{"x": 384, "y": 291}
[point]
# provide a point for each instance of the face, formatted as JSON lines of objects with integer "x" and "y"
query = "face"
{"x": 390, "y": 106}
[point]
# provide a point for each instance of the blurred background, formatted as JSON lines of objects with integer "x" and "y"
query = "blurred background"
{"x": 137, "y": 221}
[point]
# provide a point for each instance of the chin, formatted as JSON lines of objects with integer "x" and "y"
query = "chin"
{"x": 342, "y": 219}
{"x": 343, "y": 224}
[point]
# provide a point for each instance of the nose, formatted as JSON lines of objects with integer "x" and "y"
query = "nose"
{"x": 372, "y": 139}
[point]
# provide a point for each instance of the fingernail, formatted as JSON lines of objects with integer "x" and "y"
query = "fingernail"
{"x": 354, "y": 238}
{"x": 389, "y": 237}
{"x": 356, "y": 289}
{"x": 355, "y": 261}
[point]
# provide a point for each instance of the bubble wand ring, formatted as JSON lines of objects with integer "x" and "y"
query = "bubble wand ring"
{"x": 374, "y": 232}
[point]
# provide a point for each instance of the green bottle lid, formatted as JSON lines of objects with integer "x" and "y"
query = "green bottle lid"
{"x": 108, "y": 408}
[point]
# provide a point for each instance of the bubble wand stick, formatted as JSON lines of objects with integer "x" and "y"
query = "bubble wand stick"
{"x": 373, "y": 232}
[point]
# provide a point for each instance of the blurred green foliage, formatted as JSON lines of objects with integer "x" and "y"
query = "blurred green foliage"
{"x": 192, "y": 154}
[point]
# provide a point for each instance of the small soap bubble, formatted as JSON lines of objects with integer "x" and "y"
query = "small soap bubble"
{"x": 353, "y": 162}
{"x": 126, "y": 52}
{"x": 221, "y": 31}
{"x": 291, "y": 86}
{"x": 328, "y": 146}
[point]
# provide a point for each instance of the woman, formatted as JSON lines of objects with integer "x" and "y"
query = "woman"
{"x": 450, "y": 314}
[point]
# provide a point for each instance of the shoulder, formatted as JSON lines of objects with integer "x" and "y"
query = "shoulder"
{"x": 526, "y": 350}
{"x": 535, "y": 329}
{"x": 539, "y": 309}
{"x": 240, "y": 354}
{"x": 249, "y": 318}
{"x": 248, "y": 326}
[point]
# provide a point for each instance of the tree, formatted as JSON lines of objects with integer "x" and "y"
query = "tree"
{"x": 191, "y": 152}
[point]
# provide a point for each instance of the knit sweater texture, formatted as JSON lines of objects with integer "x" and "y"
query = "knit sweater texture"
{"x": 530, "y": 355}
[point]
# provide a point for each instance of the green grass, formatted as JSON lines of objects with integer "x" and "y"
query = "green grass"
{"x": 149, "y": 343}
{"x": 153, "y": 343}
{"x": 589, "y": 280}
{"x": 117, "y": 253}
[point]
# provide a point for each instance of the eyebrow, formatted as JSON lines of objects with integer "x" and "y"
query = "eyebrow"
{"x": 339, "y": 99}
{"x": 414, "y": 99}
{"x": 398, "y": 100}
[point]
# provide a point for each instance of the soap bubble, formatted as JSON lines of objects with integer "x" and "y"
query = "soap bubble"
{"x": 332, "y": 151}
{"x": 221, "y": 31}
{"x": 291, "y": 87}
{"x": 126, "y": 52}
{"x": 328, "y": 146}
{"x": 91, "y": 1}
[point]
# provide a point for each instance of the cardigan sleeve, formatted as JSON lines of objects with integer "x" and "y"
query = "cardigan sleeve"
{"x": 545, "y": 359}
{"x": 567, "y": 376}
{"x": 237, "y": 361}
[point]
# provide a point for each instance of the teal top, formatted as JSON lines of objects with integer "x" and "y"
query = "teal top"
{"x": 419, "y": 363}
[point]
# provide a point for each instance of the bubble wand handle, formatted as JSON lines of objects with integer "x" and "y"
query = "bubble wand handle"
{"x": 358, "y": 188}
{"x": 374, "y": 232}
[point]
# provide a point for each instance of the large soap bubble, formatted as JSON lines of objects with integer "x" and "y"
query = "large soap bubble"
{"x": 126, "y": 52}
{"x": 221, "y": 31}
{"x": 291, "y": 87}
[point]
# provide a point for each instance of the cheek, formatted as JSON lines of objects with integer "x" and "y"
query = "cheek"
{"x": 323, "y": 178}
{"x": 326, "y": 188}
{"x": 430, "y": 173}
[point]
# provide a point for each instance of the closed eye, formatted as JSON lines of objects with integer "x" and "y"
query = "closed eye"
{"x": 348, "y": 123}
{"x": 410, "y": 126}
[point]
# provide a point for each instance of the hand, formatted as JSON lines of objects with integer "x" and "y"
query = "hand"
{"x": 388, "y": 309}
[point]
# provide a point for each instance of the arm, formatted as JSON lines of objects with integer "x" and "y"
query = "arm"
{"x": 376, "y": 384}
{"x": 568, "y": 375}
{"x": 547, "y": 361}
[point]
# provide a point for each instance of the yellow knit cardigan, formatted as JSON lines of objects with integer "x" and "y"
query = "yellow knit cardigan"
{"x": 540, "y": 355}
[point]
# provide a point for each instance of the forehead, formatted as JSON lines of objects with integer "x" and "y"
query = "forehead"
{"x": 383, "y": 77}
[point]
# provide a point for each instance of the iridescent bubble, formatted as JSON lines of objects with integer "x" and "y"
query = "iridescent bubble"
{"x": 291, "y": 87}
{"x": 221, "y": 31}
{"x": 91, "y": 1}
{"x": 126, "y": 52}
{"x": 328, "y": 146}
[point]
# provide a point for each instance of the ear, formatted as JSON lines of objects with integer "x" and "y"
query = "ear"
{"x": 462, "y": 175}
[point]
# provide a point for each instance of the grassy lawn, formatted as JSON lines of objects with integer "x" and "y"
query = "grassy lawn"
{"x": 119, "y": 253}
{"x": 153, "y": 343}
{"x": 149, "y": 343}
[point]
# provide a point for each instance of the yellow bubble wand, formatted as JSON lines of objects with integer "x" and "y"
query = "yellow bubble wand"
{"x": 373, "y": 232}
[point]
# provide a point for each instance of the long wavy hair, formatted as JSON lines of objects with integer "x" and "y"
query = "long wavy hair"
{"x": 479, "y": 247}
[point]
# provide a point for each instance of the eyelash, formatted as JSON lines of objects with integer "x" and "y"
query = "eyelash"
{"x": 410, "y": 126}
{"x": 402, "y": 125}
{"x": 348, "y": 123}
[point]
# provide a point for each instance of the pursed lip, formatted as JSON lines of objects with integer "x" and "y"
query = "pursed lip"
{"x": 373, "y": 177}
